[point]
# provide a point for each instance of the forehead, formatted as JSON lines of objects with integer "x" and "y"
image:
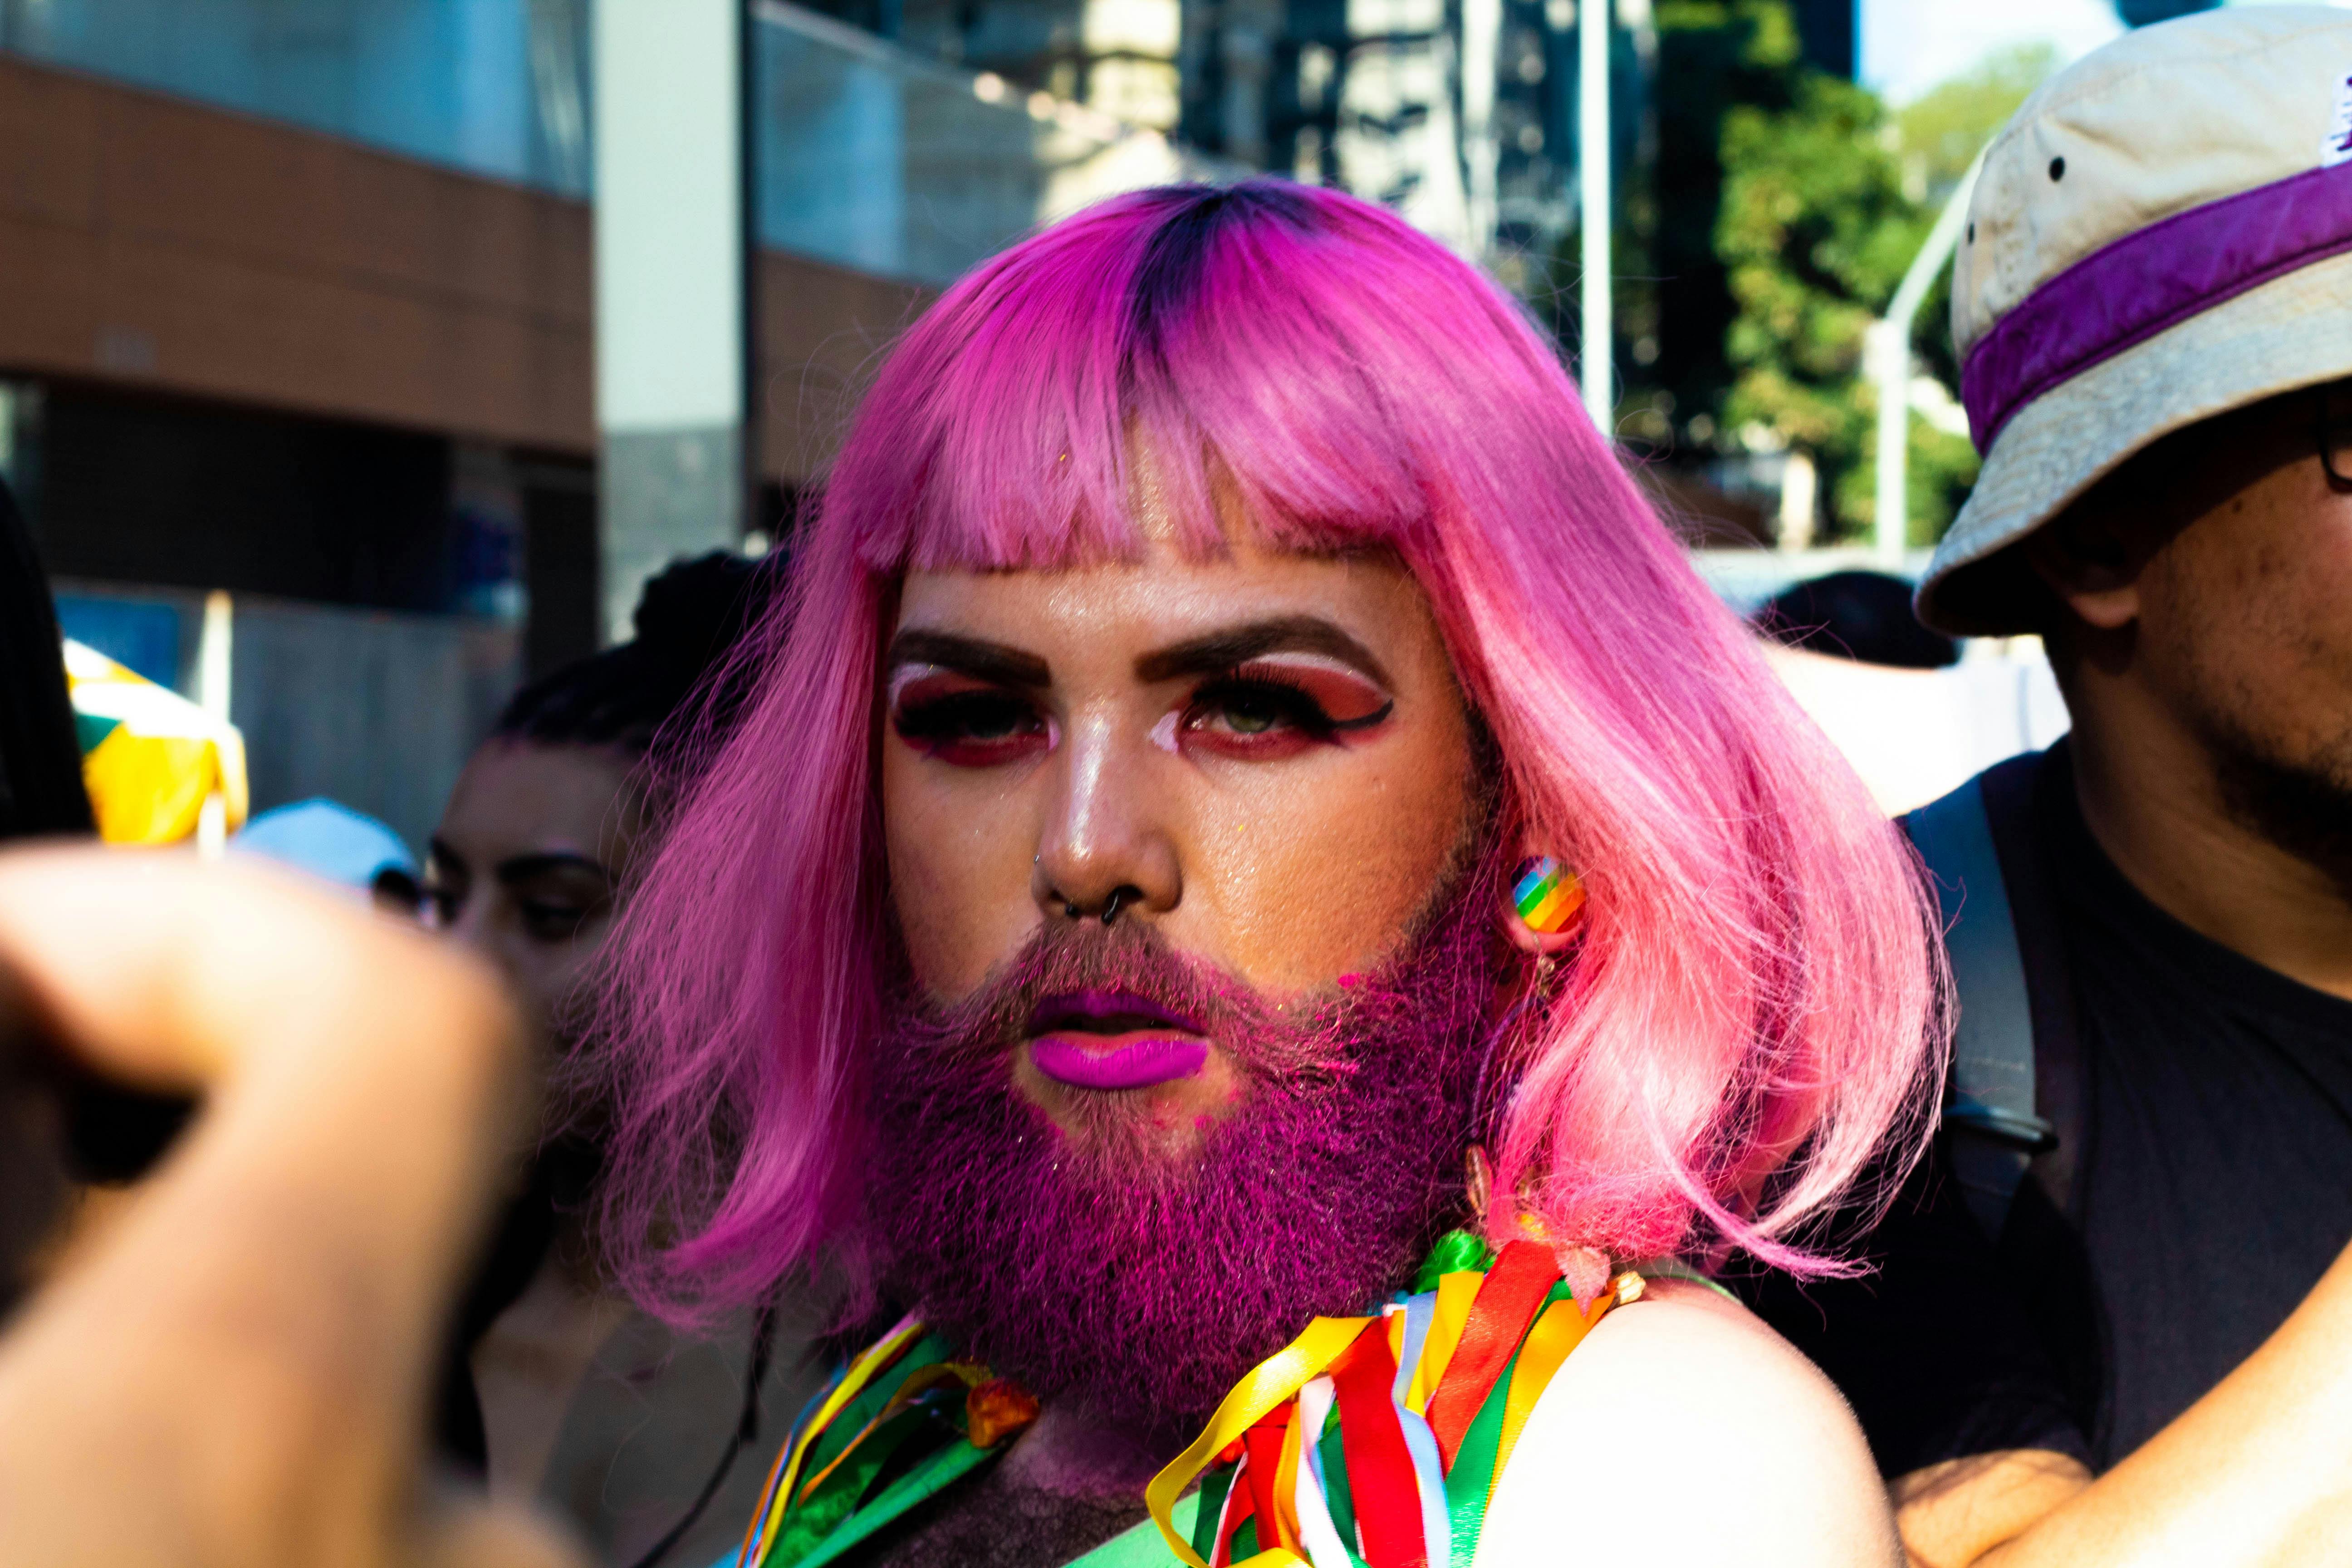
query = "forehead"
{"x": 1168, "y": 595}
{"x": 516, "y": 796}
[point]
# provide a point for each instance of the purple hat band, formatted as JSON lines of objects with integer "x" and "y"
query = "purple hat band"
{"x": 2153, "y": 279}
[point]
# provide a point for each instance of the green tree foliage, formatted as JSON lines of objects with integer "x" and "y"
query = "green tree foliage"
{"x": 1674, "y": 306}
{"x": 1939, "y": 133}
{"x": 1769, "y": 226}
{"x": 1937, "y": 136}
{"x": 1815, "y": 233}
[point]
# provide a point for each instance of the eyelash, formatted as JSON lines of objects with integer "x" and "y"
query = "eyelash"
{"x": 1307, "y": 723}
{"x": 943, "y": 727}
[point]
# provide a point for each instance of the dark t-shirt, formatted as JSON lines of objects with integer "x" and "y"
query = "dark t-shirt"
{"x": 2212, "y": 1187}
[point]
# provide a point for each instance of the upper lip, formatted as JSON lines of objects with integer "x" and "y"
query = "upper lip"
{"x": 1104, "y": 1013}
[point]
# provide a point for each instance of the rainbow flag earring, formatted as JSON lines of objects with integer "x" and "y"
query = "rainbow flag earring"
{"x": 1548, "y": 896}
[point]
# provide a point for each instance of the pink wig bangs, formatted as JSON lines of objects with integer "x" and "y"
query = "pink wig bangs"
{"x": 1755, "y": 1009}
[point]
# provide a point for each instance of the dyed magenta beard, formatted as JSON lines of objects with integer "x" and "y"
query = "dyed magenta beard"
{"x": 1105, "y": 1274}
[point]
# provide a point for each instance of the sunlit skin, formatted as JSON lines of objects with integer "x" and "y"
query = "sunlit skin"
{"x": 1264, "y": 755}
{"x": 531, "y": 848}
{"x": 1291, "y": 858}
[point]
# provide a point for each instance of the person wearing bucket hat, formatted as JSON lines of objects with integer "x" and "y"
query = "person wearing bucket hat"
{"x": 2108, "y": 1323}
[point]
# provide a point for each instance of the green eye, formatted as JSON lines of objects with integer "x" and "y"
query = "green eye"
{"x": 1246, "y": 716}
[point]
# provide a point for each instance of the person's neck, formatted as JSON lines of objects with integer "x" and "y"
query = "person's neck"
{"x": 2151, "y": 795}
{"x": 1074, "y": 1455}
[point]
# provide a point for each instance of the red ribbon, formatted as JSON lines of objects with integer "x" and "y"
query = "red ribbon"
{"x": 1500, "y": 1315}
{"x": 1380, "y": 1484}
{"x": 1263, "y": 1442}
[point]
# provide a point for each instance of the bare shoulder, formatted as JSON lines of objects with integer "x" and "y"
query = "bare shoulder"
{"x": 1684, "y": 1425}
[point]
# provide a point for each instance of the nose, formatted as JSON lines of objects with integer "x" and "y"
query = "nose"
{"x": 468, "y": 925}
{"x": 1104, "y": 850}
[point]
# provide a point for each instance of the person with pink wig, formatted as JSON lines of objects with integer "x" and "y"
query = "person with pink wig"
{"x": 1256, "y": 905}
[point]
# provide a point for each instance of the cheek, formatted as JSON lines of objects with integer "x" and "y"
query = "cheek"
{"x": 549, "y": 974}
{"x": 2250, "y": 621}
{"x": 1317, "y": 872}
{"x": 959, "y": 871}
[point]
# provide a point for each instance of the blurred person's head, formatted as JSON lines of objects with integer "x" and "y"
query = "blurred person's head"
{"x": 1860, "y": 615}
{"x": 1107, "y": 888}
{"x": 547, "y": 818}
{"x": 2153, "y": 306}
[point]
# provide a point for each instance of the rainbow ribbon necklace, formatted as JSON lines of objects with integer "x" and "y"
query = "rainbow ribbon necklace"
{"x": 1369, "y": 1442}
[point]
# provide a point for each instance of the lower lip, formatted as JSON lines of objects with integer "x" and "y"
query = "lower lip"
{"x": 1117, "y": 1061}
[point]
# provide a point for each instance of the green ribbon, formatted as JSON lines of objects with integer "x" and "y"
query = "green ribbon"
{"x": 1472, "y": 1478}
{"x": 924, "y": 1449}
{"x": 924, "y": 1445}
{"x": 1338, "y": 1500}
{"x": 1455, "y": 1252}
{"x": 1468, "y": 1484}
{"x": 1212, "y": 1508}
{"x": 932, "y": 1476}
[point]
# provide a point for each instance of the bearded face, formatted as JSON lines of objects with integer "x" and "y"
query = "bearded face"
{"x": 1196, "y": 886}
{"x": 1140, "y": 1275}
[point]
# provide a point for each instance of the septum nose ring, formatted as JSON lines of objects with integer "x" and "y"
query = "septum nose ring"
{"x": 1117, "y": 900}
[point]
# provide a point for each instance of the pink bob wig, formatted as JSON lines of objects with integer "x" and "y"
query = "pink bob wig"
{"x": 1754, "y": 1013}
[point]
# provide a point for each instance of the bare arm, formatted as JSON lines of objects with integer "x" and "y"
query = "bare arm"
{"x": 1685, "y": 1431}
{"x": 2257, "y": 1472}
{"x": 237, "y": 1374}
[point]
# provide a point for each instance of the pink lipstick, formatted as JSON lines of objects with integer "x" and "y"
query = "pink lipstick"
{"x": 1113, "y": 1040}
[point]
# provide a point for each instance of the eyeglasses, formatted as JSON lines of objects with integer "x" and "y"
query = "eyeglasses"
{"x": 2332, "y": 431}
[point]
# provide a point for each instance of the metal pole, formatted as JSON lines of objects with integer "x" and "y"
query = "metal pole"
{"x": 215, "y": 655}
{"x": 1592, "y": 210}
{"x": 1482, "y": 42}
{"x": 1887, "y": 356}
{"x": 672, "y": 224}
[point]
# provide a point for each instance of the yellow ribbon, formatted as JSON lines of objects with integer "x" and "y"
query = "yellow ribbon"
{"x": 1560, "y": 1329}
{"x": 1456, "y": 1292}
{"x": 1270, "y": 1383}
{"x": 860, "y": 1372}
{"x": 1287, "y": 1533}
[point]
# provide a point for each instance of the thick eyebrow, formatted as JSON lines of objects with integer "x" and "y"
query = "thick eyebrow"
{"x": 981, "y": 660}
{"x": 522, "y": 867}
{"x": 1221, "y": 650}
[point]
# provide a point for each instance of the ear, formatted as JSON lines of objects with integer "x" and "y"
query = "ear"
{"x": 2092, "y": 560}
{"x": 1478, "y": 1177}
{"x": 1543, "y": 907}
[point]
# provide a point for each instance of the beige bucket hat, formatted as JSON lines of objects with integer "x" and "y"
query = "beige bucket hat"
{"x": 2163, "y": 233}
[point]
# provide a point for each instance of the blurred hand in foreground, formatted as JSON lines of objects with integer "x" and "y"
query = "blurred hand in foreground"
{"x": 237, "y": 1374}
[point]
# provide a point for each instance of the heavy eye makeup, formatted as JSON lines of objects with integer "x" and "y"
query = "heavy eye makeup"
{"x": 1261, "y": 709}
{"x": 963, "y": 721}
{"x": 1279, "y": 705}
